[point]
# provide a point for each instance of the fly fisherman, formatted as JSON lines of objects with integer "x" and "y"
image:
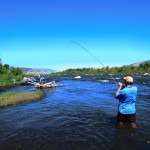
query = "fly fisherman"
{"x": 127, "y": 100}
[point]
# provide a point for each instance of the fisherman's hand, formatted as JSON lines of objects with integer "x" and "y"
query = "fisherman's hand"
{"x": 120, "y": 84}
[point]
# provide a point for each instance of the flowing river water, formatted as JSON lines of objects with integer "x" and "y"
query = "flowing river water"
{"x": 79, "y": 115}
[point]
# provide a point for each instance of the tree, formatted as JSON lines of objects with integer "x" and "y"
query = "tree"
{"x": 3, "y": 70}
{"x": 0, "y": 62}
{"x": 16, "y": 71}
{"x": 6, "y": 66}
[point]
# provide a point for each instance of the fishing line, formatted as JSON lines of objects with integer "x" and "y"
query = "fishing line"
{"x": 72, "y": 42}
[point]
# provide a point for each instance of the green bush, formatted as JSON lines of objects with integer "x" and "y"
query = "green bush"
{"x": 9, "y": 76}
{"x": 3, "y": 70}
{"x": 19, "y": 77}
{"x": 16, "y": 71}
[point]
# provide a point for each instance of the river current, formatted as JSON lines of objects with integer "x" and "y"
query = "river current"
{"x": 78, "y": 115}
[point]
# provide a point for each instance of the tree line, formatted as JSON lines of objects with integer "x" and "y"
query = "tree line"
{"x": 123, "y": 70}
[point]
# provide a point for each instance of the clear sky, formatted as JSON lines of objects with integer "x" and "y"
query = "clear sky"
{"x": 37, "y": 33}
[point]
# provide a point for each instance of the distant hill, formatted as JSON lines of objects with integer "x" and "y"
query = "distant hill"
{"x": 37, "y": 70}
{"x": 41, "y": 70}
{"x": 137, "y": 64}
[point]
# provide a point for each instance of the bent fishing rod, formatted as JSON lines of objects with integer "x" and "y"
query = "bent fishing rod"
{"x": 72, "y": 42}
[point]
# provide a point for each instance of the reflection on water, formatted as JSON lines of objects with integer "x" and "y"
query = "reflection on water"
{"x": 79, "y": 115}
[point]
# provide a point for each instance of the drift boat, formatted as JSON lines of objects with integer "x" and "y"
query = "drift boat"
{"x": 46, "y": 85}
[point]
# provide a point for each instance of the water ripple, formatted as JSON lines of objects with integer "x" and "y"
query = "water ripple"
{"x": 80, "y": 115}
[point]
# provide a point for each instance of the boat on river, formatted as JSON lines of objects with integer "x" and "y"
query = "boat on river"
{"x": 28, "y": 80}
{"x": 46, "y": 85}
{"x": 77, "y": 77}
{"x": 40, "y": 84}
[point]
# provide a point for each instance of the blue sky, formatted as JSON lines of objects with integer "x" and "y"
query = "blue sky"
{"x": 37, "y": 34}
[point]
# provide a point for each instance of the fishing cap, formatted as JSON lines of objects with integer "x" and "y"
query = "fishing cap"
{"x": 128, "y": 79}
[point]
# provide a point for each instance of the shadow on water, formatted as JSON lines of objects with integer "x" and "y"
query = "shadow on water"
{"x": 78, "y": 116}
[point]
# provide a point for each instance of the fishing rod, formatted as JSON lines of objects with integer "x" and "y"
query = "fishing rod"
{"x": 93, "y": 57}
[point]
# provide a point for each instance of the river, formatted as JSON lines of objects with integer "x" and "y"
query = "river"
{"x": 79, "y": 115}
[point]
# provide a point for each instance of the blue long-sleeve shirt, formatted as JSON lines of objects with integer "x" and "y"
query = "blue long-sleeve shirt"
{"x": 127, "y": 100}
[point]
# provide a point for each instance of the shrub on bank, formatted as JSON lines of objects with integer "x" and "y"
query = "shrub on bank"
{"x": 10, "y": 75}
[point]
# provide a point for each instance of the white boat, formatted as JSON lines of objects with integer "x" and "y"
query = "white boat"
{"x": 41, "y": 84}
{"x": 28, "y": 80}
{"x": 77, "y": 77}
{"x": 104, "y": 80}
{"x": 46, "y": 85}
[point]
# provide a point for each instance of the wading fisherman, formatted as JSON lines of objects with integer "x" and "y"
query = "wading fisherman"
{"x": 127, "y": 100}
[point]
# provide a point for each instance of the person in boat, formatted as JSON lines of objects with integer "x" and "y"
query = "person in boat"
{"x": 127, "y": 102}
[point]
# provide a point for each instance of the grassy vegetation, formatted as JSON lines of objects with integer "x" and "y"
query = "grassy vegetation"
{"x": 12, "y": 98}
{"x": 10, "y": 75}
{"x": 125, "y": 70}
